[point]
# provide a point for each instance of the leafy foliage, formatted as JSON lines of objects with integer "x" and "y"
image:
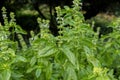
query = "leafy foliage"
{"x": 76, "y": 54}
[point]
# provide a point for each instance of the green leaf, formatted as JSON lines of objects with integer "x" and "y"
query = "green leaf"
{"x": 48, "y": 53}
{"x": 21, "y": 58}
{"x": 18, "y": 29}
{"x": 49, "y": 71}
{"x": 33, "y": 61}
{"x": 6, "y": 74}
{"x": 110, "y": 74}
{"x": 70, "y": 55}
{"x": 103, "y": 78}
{"x": 70, "y": 74}
{"x": 31, "y": 69}
{"x": 44, "y": 50}
{"x": 38, "y": 72}
{"x": 17, "y": 75}
{"x": 1, "y": 76}
{"x": 91, "y": 58}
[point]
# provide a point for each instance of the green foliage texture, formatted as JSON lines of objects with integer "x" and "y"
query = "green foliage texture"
{"x": 76, "y": 54}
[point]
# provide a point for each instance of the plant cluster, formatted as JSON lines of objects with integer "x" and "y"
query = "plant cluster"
{"x": 76, "y": 54}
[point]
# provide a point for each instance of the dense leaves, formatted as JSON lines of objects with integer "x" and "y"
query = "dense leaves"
{"x": 75, "y": 54}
